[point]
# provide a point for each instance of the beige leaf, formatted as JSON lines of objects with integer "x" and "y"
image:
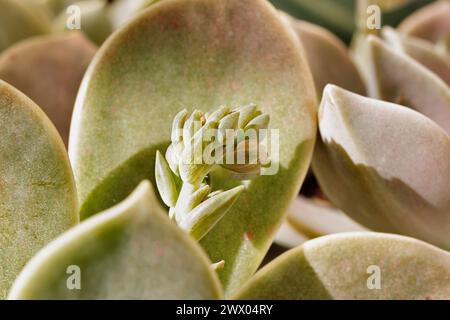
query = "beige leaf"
{"x": 430, "y": 23}
{"x": 315, "y": 218}
{"x": 420, "y": 50}
{"x": 386, "y": 166}
{"x": 395, "y": 77}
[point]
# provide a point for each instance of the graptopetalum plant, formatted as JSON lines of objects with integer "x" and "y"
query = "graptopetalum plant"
{"x": 206, "y": 229}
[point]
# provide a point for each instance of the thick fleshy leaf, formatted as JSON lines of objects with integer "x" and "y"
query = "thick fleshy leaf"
{"x": 420, "y": 50}
{"x": 327, "y": 57}
{"x": 360, "y": 265}
{"x": 37, "y": 193}
{"x": 206, "y": 215}
{"x": 395, "y": 77}
{"x": 431, "y": 23}
{"x": 386, "y": 166}
{"x": 49, "y": 70}
{"x": 18, "y": 21}
{"x": 315, "y": 218}
{"x": 196, "y": 54}
{"x": 131, "y": 251}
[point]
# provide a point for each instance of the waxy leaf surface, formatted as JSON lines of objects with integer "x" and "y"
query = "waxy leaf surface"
{"x": 18, "y": 21}
{"x": 131, "y": 251}
{"x": 196, "y": 54}
{"x": 38, "y": 199}
{"x": 361, "y": 265}
{"x": 385, "y": 165}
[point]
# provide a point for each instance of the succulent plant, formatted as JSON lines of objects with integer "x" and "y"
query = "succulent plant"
{"x": 146, "y": 204}
{"x": 122, "y": 125}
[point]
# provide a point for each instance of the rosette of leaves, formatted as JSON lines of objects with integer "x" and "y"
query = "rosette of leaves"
{"x": 130, "y": 249}
{"x": 200, "y": 142}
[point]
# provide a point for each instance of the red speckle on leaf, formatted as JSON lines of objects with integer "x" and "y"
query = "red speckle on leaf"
{"x": 159, "y": 252}
{"x": 234, "y": 86}
{"x": 174, "y": 24}
{"x": 248, "y": 235}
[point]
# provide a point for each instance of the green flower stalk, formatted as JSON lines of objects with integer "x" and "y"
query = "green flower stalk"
{"x": 227, "y": 137}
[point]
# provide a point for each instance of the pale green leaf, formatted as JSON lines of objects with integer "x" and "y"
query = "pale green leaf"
{"x": 361, "y": 265}
{"x": 38, "y": 199}
{"x": 131, "y": 251}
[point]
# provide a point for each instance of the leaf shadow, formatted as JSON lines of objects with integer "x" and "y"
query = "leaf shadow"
{"x": 122, "y": 181}
{"x": 382, "y": 204}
